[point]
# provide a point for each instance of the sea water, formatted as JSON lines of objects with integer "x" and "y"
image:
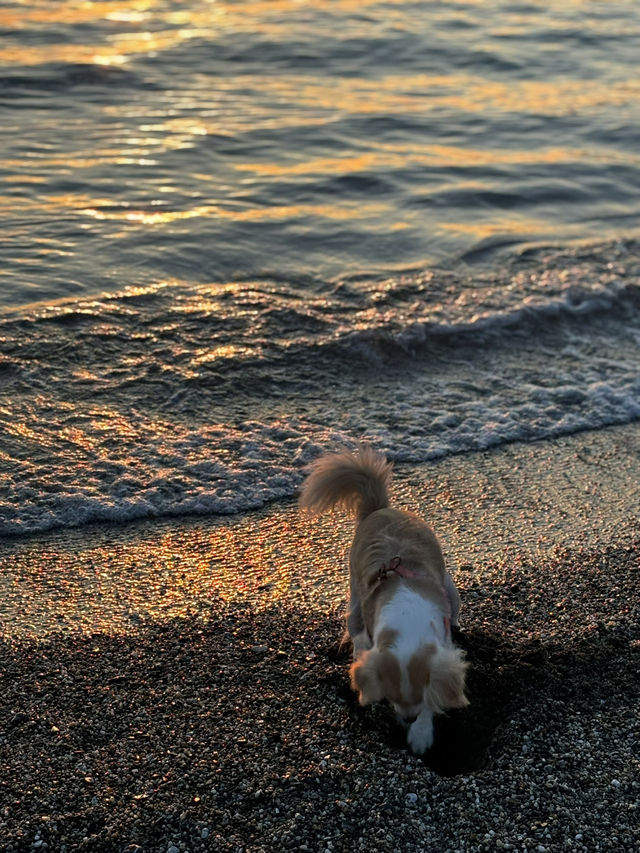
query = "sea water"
{"x": 235, "y": 235}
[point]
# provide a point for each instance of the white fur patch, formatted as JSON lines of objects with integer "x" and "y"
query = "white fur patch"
{"x": 415, "y": 619}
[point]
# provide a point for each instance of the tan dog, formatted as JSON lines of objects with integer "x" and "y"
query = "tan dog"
{"x": 402, "y": 601}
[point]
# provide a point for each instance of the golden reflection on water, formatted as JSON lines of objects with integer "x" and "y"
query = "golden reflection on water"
{"x": 143, "y": 143}
{"x": 225, "y": 351}
{"x": 514, "y": 224}
{"x": 182, "y": 25}
{"x": 346, "y": 211}
{"x": 399, "y": 156}
{"x": 382, "y": 158}
{"x": 247, "y": 14}
{"x": 237, "y": 103}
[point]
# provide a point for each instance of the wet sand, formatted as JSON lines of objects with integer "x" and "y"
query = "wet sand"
{"x": 182, "y": 683}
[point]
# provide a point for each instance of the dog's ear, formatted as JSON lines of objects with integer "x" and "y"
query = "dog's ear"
{"x": 376, "y": 675}
{"x": 419, "y": 671}
{"x": 365, "y": 679}
{"x": 448, "y": 671}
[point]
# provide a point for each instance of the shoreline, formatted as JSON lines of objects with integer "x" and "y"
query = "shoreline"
{"x": 518, "y": 499}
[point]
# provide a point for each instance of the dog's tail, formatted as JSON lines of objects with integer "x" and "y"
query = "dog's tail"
{"x": 358, "y": 482}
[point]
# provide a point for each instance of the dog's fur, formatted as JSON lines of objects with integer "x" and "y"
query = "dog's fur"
{"x": 402, "y": 601}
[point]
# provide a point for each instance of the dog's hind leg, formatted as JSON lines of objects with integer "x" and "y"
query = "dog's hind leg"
{"x": 355, "y": 624}
{"x": 361, "y": 643}
{"x": 454, "y": 599}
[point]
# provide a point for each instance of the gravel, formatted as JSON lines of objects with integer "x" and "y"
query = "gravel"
{"x": 239, "y": 732}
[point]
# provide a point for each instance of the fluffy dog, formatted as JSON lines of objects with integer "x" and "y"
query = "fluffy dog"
{"x": 402, "y": 601}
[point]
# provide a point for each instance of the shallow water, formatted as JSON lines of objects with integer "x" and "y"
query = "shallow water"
{"x": 236, "y": 234}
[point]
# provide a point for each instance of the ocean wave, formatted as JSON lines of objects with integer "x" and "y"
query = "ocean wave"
{"x": 183, "y": 399}
{"x": 534, "y": 311}
{"x": 264, "y": 320}
{"x": 63, "y": 77}
{"x": 226, "y": 470}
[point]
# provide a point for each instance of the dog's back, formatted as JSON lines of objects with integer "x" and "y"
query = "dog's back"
{"x": 389, "y": 533}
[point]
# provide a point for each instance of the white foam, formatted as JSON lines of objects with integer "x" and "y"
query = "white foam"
{"x": 104, "y": 420}
{"x": 210, "y": 471}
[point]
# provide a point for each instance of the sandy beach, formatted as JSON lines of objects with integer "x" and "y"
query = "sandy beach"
{"x": 181, "y": 686}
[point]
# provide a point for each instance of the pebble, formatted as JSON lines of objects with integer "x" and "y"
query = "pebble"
{"x": 196, "y": 743}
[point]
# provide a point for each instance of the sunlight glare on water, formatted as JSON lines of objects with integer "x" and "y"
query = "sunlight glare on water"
{"x": 208, "y": 140}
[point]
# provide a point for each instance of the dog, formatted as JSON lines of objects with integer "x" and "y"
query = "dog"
{"x": 402, "y": 601}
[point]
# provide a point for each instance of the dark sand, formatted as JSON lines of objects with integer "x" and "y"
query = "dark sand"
{"x": 225, "y": 722}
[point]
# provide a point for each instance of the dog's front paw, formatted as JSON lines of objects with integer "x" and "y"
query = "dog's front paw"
{"x": 420, "y": 734}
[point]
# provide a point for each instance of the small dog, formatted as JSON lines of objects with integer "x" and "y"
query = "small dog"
{"x": 402, "y": 601}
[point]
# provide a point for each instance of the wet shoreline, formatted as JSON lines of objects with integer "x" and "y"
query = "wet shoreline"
{"x": 520, "y": 499}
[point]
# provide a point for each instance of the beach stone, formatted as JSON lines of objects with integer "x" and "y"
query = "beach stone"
{"x": 202, "y": 734}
